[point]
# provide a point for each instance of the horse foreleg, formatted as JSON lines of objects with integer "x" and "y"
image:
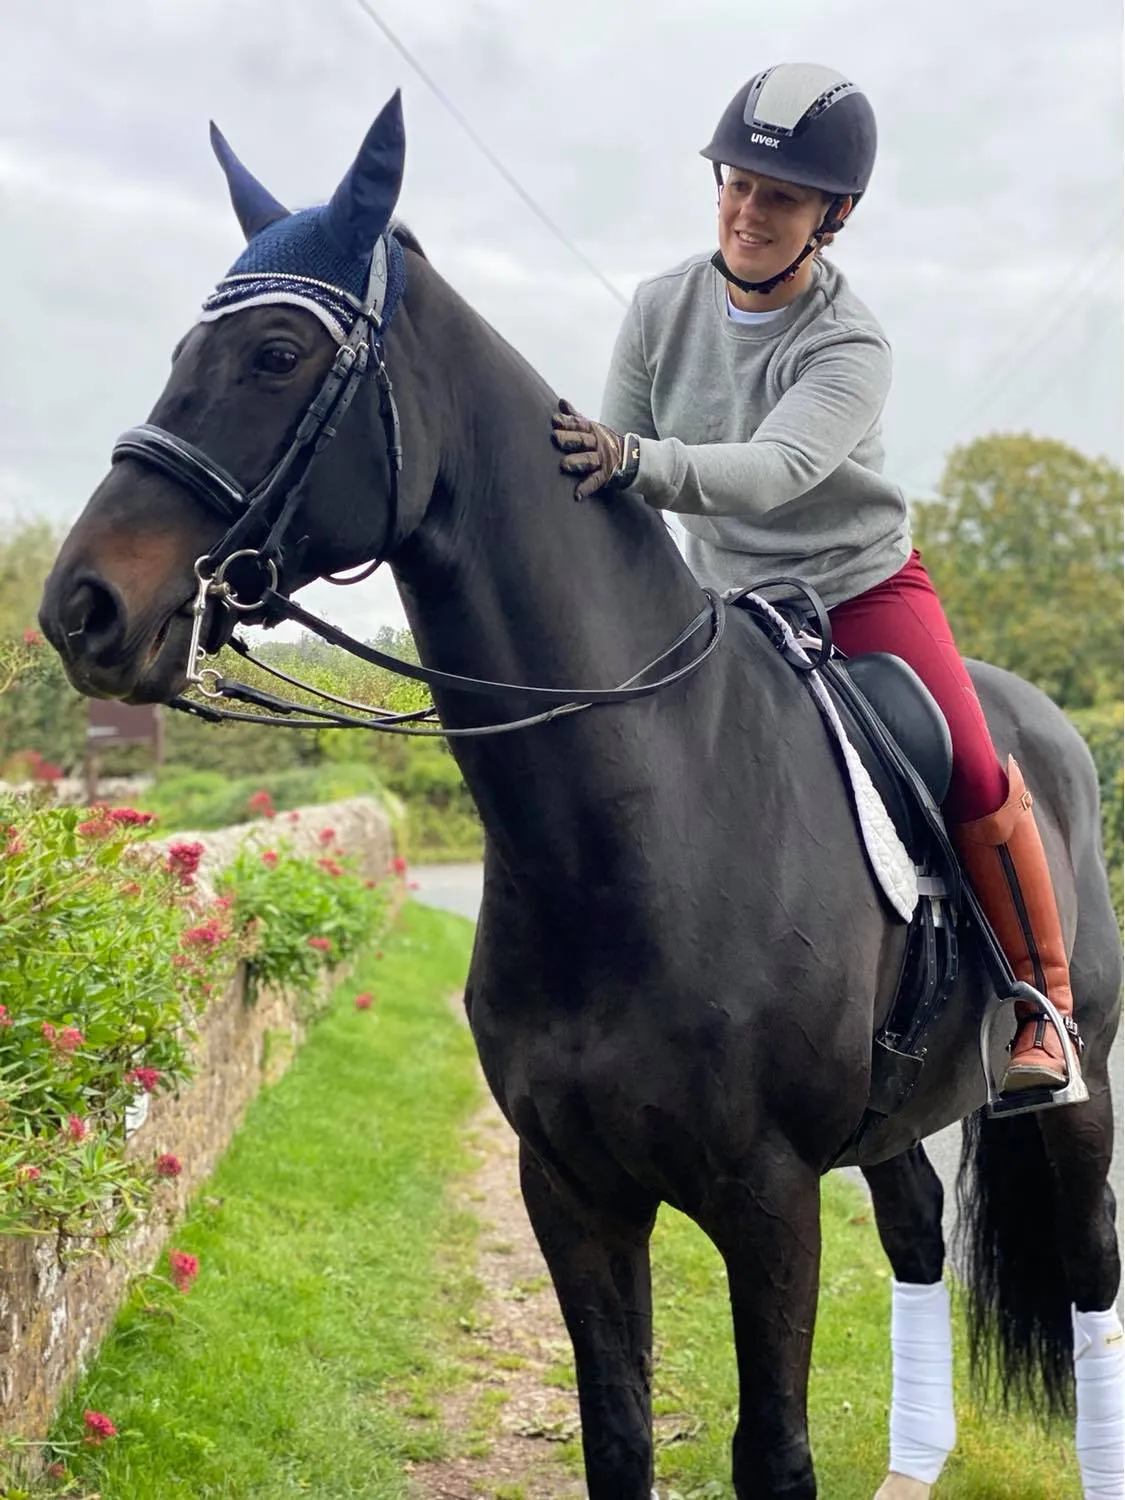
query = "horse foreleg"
{"x": 906, "y": 1194}
{"x": 600, "y": 1267}
{"x": 766, "y": 1225}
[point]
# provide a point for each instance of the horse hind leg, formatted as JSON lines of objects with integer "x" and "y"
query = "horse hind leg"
{"x": 600, "y": 1267}
{"x": 1078, "y": 1143}
{"x": 907, "y": 1198}
{"x": 1079, "y": 1147}
{"x": 1044, "y": 1269}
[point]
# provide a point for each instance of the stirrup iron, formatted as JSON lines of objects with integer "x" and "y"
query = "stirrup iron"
{"x": 1073, "y": 1091}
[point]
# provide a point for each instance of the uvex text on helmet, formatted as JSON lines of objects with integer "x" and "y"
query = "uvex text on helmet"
{"x": 799, "y": 122}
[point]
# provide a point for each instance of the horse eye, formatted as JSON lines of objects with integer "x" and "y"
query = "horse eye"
{"x": 276, "y": 359}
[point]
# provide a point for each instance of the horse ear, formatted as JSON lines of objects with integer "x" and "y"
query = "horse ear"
{"x": 362, "y": 205}
{"x": 255, "y": 207}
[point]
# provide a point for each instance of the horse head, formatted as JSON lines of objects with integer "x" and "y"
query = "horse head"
{"x": 230, "y": 443}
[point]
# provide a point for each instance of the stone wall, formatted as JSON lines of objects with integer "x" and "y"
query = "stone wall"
{"x": 53, "y": 1318}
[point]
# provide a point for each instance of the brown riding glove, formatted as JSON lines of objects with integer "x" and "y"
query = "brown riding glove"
{"x": 606, "y": 461}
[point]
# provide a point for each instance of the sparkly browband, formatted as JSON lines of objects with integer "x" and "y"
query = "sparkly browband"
{"x": 336, "y": 309}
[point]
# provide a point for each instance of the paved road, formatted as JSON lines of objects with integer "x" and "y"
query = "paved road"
{"x": 458, "y": 888}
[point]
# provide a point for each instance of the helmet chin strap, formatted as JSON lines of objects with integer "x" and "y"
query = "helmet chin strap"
{"x": 830, "y": 224}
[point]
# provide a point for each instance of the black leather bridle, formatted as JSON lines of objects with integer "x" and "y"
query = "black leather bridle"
{"x": 271, "y": 505}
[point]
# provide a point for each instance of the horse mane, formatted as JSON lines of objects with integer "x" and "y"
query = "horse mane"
{"x": 407, "y": 238}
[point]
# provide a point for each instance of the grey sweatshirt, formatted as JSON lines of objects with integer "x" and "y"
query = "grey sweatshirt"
{"x": 763, "y": 438}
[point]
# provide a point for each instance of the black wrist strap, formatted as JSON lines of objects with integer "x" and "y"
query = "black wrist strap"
{"x": 626, "y": 471}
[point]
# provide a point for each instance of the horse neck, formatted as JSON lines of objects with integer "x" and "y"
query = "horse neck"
{"x": 508, "y": 578}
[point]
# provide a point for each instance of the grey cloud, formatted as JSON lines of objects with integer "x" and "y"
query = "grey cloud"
{"x": 998, "y": 189}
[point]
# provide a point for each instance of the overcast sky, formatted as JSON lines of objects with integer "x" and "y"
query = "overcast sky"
{"x": 989, "y": 244}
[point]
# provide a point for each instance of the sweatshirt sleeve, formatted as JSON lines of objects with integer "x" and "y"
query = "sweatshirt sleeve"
{"x": 627, "y": 401}
{"x": 817, "y": 423}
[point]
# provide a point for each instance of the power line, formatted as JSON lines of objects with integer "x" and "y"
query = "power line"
{"x": 1017, "y": 371}
{"x": 482, "y": 145}
{"x": 1087, "y": 272}
{"x": 1060, "y": 372}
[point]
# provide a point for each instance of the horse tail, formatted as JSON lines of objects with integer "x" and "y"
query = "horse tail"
{"x": 1017, "y": 1293}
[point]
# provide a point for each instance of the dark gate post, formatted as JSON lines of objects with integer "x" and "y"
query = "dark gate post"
{"x": 111, "y": 723}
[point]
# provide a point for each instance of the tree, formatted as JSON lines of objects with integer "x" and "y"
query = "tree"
{"x": 42, "y": 712}
{"x": 1024, "y": 546}
{"x": 26, "y": 557}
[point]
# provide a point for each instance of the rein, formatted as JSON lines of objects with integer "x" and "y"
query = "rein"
{"x": 273, "y": 503}
{"x": 211, "y": 683}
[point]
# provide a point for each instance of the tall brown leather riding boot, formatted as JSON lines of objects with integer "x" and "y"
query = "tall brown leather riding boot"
{"x": 1003, "y": 857}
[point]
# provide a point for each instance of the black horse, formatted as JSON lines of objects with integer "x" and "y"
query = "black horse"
{"x": 681, "y": 956}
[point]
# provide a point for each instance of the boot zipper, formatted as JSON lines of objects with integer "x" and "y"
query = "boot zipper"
{"x": 1022, "y": 917}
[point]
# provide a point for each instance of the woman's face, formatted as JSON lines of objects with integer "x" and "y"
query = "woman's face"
{"x": 764, "y": 223}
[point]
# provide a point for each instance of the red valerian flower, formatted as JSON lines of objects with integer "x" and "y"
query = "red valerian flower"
{"x": 262, "y": 802}
{"x": 130, "y": 888}
{"x": 398, "y": 865}
{"x": 5, "y": 1018}
{"x": 330, "y": 867}
{"x": 183, "y": 861}
{"x": 269, "y": 858}
{"x": 168, "y": 1165}
{"x": 56, "y": 1471}
{"x": 98, "y": 1427}
{"x": 76, "y": 1128}
{"x": 322, "y": 944}
{"x": 95, "y": 828}
{"x": 208, "y": 934}
{"x": 326, "y": 836}
{"x": 29, "y": 1174}
{"x": 15, "y": 845}
{"x": 32, "y": 638}
{"x": 49, "y": 1032}
{"x": 364, "y": 1001}
{"x": 148, "y": 1078}
{"x": 184, "y": 1268}
{"x": 129, "y": 817}
{"x": 294, "y": 817}
{"x": 69, "y": 1039}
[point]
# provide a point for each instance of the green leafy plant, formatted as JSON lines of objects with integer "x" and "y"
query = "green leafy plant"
{"x": 1101, "y": 727}
{"x": 300, "y": 916}
{"x": 184, "y": 798}
{"x": 108, "y": 954}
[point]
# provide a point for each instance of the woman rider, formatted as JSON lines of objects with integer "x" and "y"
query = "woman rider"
{"x": 745, "y": 393}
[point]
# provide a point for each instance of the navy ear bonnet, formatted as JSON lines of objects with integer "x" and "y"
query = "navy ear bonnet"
{"x": 318, "y": 258}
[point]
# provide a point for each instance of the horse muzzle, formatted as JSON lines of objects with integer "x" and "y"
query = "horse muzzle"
{"x": 106, "y": 651}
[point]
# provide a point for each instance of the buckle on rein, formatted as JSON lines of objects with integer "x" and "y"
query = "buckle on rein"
{"x": 216, "y": 586}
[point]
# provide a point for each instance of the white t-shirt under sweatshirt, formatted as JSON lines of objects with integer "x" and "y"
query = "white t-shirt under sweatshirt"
{"x": 762, "y": 435}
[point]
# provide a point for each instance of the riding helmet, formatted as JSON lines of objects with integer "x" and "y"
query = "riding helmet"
{"x": 799, "y": 122}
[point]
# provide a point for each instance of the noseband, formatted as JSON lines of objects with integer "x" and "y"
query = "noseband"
{"x": 272, "y": 504}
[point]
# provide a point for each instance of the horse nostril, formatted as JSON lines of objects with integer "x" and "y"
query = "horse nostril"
{"x": 91, "y": 619}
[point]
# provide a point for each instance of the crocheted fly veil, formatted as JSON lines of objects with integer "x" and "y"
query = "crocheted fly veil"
{"x": 317, "y": 258}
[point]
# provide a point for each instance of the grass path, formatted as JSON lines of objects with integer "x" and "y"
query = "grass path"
{"x": 371, "y": 1317}
{"x": 316, "y": 1291}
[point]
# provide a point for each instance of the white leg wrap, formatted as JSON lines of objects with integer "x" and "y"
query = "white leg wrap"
{"x": 923, "y": 1427}
{"x": 1099, "y": 1378}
